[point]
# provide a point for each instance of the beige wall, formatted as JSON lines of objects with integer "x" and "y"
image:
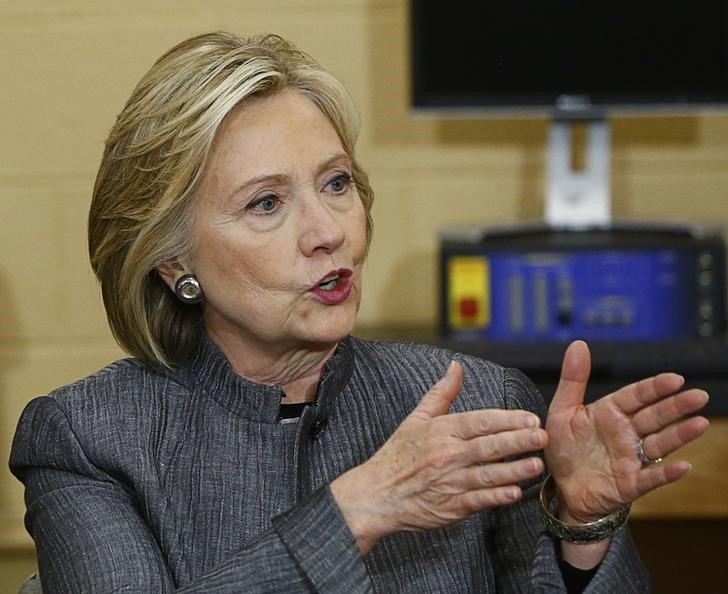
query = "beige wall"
{"x": 67, "y": 66}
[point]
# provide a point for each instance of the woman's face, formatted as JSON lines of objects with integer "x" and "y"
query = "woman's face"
{"x": 281, "y": 229}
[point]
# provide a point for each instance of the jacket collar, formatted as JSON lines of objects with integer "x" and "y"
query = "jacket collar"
{"x": 212, "y": 373}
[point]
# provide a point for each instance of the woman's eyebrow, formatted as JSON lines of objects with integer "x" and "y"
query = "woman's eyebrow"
{"x": 277, "y": 178}
{"x": 332, "y": 160}
{"x": 280, "y": 178}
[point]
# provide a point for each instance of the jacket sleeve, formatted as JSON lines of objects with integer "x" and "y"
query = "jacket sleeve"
{"x": 526, "y": 554}
{"x": 91, "y": 537}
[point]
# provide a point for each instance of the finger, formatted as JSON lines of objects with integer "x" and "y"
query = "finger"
{"x": 640, "y": 394}
{"x": 476, "y": 423}
{"x": 499, "y": 474}
{"x": 658, "y": 475}
{"x": 666, "y": 412}
{"x": 674, "y": 437}
{"x": 575, "y": 371}
{"x": 440, "y": 396}
{"x": 475, "y": 501}
{"x": 492, "y": 448}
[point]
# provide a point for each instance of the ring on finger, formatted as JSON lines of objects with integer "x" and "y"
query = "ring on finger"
{"x": 644, "y": 458}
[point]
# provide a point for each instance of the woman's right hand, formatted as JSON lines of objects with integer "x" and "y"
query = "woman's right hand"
{"x": 438, "y": 468}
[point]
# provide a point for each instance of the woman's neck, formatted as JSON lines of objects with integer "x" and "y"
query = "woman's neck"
{"x": 296, "y": 370}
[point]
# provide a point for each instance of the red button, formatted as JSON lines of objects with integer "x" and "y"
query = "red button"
{"x": 468, "y": 307}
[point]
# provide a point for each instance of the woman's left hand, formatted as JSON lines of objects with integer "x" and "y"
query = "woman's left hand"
{"x": 592, "y": 448}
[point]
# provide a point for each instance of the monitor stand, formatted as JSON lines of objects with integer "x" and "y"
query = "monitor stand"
{"x": 578, "y": 198}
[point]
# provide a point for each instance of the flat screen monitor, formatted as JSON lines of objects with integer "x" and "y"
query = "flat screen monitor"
{"x": 558, "y": 56}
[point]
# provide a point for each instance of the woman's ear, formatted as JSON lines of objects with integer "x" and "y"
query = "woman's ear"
{"x": 170, "y": 271}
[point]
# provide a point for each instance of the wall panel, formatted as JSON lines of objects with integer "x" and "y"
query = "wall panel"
{"x": 67, "y": 67}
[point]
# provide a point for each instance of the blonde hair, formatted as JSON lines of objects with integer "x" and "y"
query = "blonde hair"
{"x": 141, "y": 212}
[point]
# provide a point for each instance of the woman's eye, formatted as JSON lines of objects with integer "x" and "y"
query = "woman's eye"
{"x": 265, "y": 204}
{"x": 340, "y": 183}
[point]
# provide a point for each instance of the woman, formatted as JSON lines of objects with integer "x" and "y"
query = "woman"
{"x": 251, "y": 444}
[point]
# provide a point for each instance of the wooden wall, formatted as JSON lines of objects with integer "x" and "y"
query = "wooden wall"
{"x": 67, "y": 66}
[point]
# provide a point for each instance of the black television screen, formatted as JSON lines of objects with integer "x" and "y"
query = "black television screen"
{"x": 567, "y": 55}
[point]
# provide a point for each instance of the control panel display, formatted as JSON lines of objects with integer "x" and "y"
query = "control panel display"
{"x": 597, "y": 294}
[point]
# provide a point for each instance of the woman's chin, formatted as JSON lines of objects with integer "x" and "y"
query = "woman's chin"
{"x": 330, "y": 331}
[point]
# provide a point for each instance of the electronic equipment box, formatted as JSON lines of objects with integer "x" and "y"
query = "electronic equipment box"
{"x": 613, "y": 284}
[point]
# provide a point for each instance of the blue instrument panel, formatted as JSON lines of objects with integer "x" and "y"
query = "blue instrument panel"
{"x": 611, "y": 294}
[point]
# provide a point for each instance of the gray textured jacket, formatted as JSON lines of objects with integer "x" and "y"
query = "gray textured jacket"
{"x": 142, "y": 479}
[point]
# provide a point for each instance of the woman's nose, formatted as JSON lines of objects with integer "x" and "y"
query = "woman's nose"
{"x": 321, "y": 229}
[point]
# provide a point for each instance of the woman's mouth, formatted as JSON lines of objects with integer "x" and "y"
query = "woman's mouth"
{"x": 335, "y": 287}
{"x": 329, "y": 285}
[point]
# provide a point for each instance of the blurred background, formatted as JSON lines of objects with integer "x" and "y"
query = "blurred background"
{"x": 67, "y": 67}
